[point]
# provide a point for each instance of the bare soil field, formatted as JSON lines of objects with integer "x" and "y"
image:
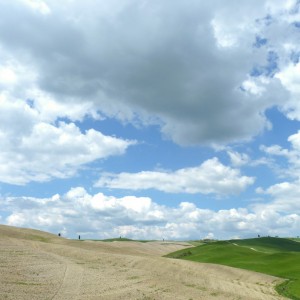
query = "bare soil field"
{"x": 38, "y": 265}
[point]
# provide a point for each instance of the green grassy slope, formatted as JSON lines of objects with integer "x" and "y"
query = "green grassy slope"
{"x": 273, "y": 256}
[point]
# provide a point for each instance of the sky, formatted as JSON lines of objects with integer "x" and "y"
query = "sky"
{"x": 150, "y": 119}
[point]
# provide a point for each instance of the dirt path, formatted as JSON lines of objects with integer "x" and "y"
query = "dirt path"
{"x": 40, "y": 266}
{"x": 71, "y": 283}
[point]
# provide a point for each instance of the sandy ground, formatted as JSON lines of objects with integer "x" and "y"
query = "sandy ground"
{"x": 37, "y": 265}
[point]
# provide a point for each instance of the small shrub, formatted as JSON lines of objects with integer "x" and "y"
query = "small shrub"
{"x": 183, "y": 254}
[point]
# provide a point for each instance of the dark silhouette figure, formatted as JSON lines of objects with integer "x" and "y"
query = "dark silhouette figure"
{"x": 79, "y": 237}
{"x": 59, "y": 234}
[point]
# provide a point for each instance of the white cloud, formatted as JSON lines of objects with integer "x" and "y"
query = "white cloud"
{"x": 255, "y": 86}
{"x": 50, "y": 109}
{"x": 292, "y": 155}
{"x": 7, "y": 75}
{"x": 290, "y": 78}
{"x": 34, "y": 150}
{"x": 38, "y": 5}
{"x": 238, "y": 159}
{"x": 210, "y": 177}
{"x": 102, "y": 216}
{"x": 285, "y": 195}
{"x": 276, "y": 7}
{"x": 284, "y": 208}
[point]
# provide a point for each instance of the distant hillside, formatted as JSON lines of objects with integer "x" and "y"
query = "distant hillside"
{"x": 275, "y": 256}
{"x": 26, "y": 234}
{"x": 269, "y": 244}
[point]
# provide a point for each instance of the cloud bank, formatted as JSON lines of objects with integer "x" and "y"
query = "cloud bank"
{"x": 200, "y": 74}
{"x": 102, "y": 216}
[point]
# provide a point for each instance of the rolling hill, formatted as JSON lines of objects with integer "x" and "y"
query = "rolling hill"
{"x": 274, "y": 256}
{"x": 36, "y": 265}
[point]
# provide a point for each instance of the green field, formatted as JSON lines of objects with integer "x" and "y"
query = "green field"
{"x": 274, "y": 256}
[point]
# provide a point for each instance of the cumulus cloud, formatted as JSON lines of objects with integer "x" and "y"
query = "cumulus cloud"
{"x": 291, "y": 155}
{"x": 210, "y": 177}
{"x": 290, "y": 78}
{"x": 285, "y": 198}
{"x": 200, "y": 74}
{"x": 102, "y": 216}
{"x": 35, "y": 150}
{"x": 38, "y": 6}
{"x": 238, "y": 159}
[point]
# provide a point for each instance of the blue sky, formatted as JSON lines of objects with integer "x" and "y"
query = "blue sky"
{"x": 150, "y": 119}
